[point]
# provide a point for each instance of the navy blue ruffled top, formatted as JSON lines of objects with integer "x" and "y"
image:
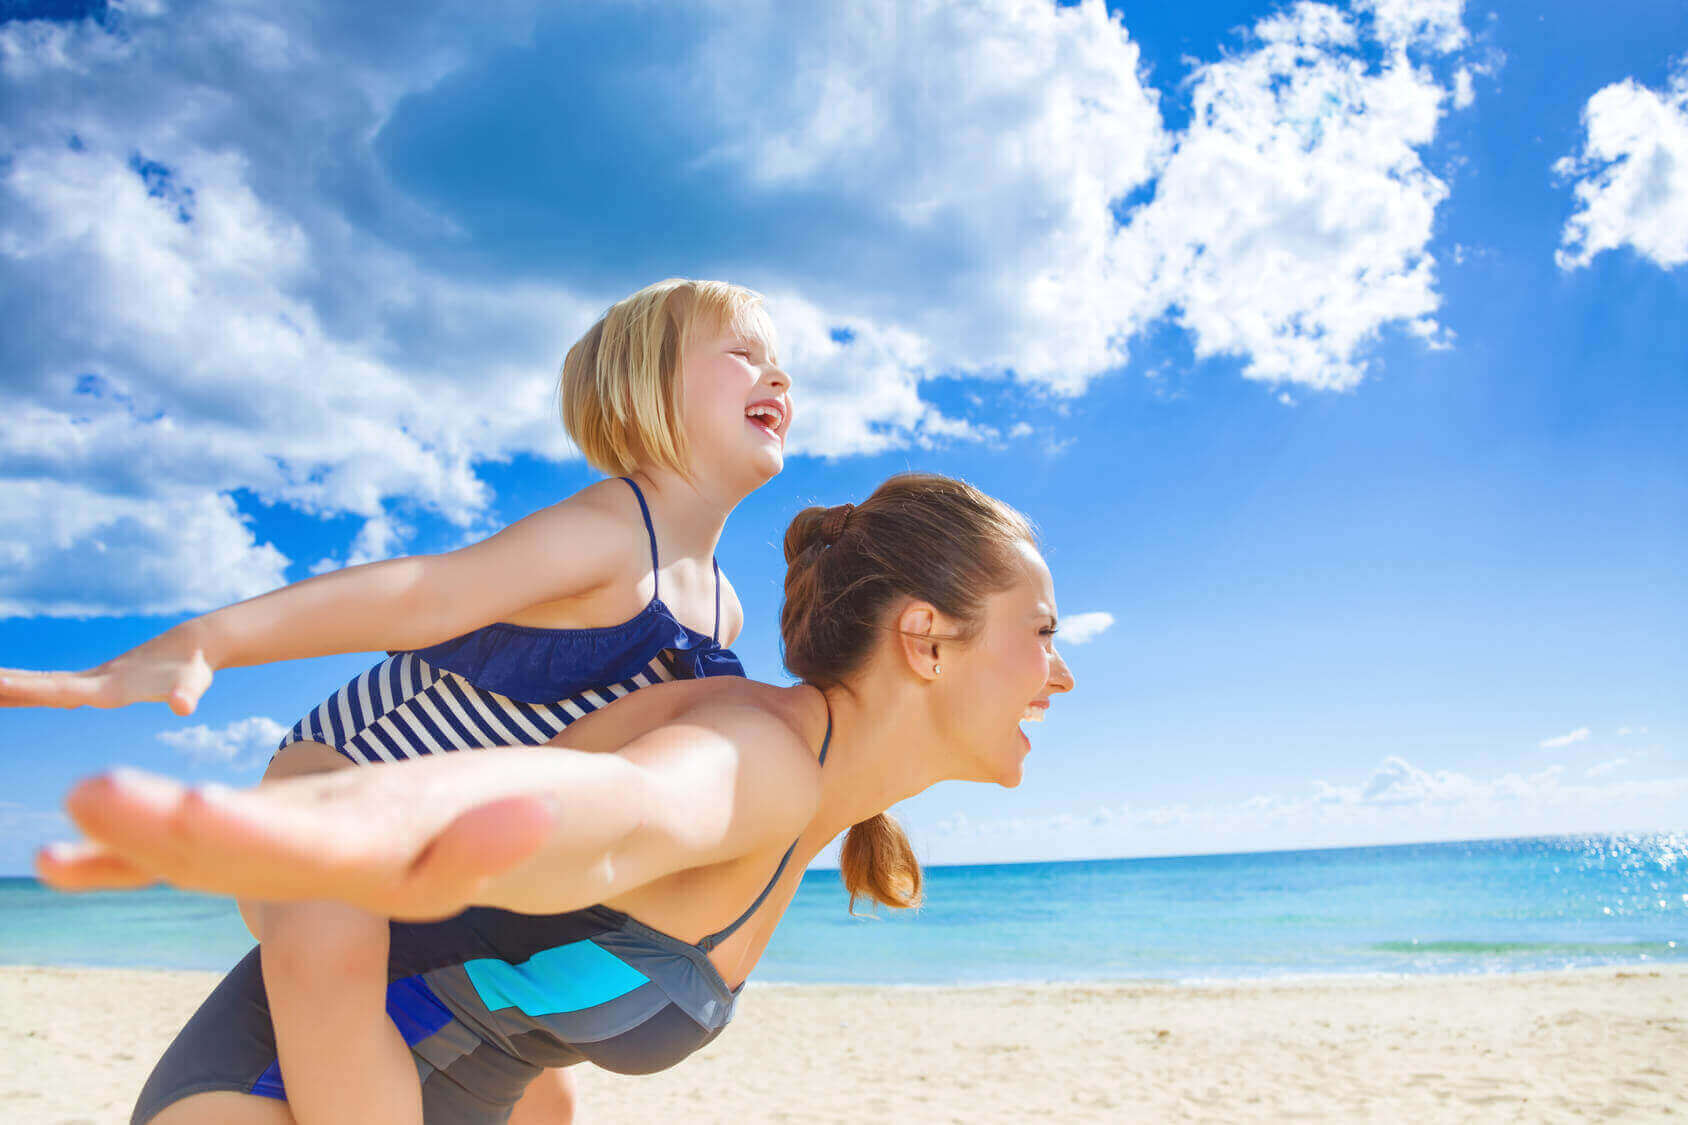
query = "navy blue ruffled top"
{"x": 536, "y": 665}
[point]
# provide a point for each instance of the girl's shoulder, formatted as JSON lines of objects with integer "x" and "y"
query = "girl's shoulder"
{"x": 732, "y": 612}
{"x": 767, "y": 744}
{"x": 603, "y": 519}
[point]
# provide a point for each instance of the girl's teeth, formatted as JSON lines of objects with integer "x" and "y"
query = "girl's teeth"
{"x": 1032, "y": 715}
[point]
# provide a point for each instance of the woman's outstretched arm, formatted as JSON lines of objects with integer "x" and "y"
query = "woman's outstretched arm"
{"x": 537, "y": 830}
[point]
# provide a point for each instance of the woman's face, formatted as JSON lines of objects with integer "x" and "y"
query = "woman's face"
{"x": 1006, "y": 674}
{"x": 737, "y": 406}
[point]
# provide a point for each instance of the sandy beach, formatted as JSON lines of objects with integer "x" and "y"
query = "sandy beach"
{"x": 1597, "y": 1044}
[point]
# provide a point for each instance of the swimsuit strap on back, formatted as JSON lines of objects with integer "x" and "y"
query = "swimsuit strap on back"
{"x": 720, "y": 936}
{"x": 650, "y": 529}
{"x": 716, "y": 635}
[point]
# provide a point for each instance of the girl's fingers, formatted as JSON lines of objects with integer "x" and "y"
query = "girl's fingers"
{"x": 50, "y": 689}
{"x": 183, "y": 700}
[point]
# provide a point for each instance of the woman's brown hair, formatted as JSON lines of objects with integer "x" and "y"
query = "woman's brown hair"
{"x": 921, "y": 536}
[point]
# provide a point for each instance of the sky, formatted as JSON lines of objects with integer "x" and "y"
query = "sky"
{"x": 1339, "y": 351}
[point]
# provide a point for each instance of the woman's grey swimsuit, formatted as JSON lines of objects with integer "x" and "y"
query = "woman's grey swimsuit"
{"x": 486, "y": 1000}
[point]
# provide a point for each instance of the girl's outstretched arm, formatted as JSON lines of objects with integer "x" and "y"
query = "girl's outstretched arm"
{"x": 535, "y": 830}
{"x": 569, "y": 549}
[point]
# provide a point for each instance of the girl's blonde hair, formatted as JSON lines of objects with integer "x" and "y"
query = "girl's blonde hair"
{"x": 620, "y": 385}
{"x": 919, "y": 535}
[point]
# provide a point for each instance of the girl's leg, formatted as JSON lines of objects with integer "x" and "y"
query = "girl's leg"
{"x": 549, "y": 1100}
{"x": 223, "y": 1108}
{"x": 325, "y": 971}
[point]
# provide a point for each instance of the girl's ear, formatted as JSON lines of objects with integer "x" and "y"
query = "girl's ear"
{"x": 919, "y": 629}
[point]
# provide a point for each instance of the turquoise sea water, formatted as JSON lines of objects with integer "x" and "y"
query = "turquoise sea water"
{"x": 1484, "y": 906}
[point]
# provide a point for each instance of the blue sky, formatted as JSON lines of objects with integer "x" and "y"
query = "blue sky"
{"x": 1338, "y": 350}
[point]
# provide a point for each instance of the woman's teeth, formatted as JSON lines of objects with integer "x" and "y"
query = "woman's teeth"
{"x": 1033, "y": 715}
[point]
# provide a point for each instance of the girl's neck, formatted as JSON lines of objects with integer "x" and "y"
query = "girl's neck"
{"x": 690, "y": 514}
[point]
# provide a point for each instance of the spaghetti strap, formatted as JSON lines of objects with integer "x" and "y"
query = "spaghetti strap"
{"x": 716, "y": 635}
{"x": 656, "y": 566}
{"x": 720, "y": 936}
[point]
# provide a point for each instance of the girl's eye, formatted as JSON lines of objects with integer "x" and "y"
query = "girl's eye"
{"x": 1048, "y": 631}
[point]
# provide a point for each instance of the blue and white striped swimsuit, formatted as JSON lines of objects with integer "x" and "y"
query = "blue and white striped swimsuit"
{"x": 512, "y": 685}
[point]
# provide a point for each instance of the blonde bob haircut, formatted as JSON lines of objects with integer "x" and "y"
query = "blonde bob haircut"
{"x": 620, "y": 387}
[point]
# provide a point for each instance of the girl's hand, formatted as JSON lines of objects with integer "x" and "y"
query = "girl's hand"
{"x": 167, "y": 669}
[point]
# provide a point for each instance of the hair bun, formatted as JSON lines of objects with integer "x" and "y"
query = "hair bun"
{"x": 835, "y": 522}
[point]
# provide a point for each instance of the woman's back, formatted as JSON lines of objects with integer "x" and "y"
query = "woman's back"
{"x": 698, "y": 901}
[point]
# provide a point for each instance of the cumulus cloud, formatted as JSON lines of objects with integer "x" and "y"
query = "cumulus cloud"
{"x": 236, "y": 743}
{"x": 72, "y": 551}
{"x": 1579, "y": 735}
{"x": 1396, "y": 791}
{"x": 1630, "y": 179}
{"x": 1082, "y": 627}
{"x": 1292, "y": 224}
{"x": 221, "y": 282}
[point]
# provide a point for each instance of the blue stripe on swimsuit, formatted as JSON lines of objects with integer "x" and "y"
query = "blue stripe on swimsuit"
{"x": 512, "y": 685}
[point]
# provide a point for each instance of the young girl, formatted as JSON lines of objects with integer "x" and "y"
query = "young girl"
{"x": 676, "y": 390}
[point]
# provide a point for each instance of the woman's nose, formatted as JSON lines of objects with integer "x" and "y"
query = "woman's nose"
{"x": 1060, "y": 676}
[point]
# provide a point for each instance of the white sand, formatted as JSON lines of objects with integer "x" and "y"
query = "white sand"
{"x": 76, "y": 1045}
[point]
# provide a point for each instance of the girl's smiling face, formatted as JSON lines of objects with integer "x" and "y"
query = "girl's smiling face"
{"x": 736, "y": 403}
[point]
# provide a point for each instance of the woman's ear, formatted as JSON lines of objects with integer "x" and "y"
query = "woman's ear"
{"x": 919, "y": 629}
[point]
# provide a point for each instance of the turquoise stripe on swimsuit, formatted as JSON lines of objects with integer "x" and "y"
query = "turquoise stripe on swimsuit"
{"x": 567, "y": 978}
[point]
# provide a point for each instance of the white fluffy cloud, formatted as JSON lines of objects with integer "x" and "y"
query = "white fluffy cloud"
{"x": 1081, "y": 627}
{"x": 1631, "y": 178}
{"x": 70, "y": 550}
{"x": 1579, "y": 735}
{"x": 216, "y": 288}
{"x": 236, "y": 743}
{"x": 1292, "y": 224}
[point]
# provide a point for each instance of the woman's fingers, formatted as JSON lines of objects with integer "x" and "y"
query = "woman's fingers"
{"x": 207, "y": 839}
{"x": 377, "y": 839}
{"x": 87, "y": 866}
{"x": 478, "y": 845}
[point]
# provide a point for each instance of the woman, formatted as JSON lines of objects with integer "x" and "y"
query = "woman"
{"x": 620, "y": 884}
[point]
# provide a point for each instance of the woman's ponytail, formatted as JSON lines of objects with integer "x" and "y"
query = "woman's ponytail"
{"x": 878, "y": 862}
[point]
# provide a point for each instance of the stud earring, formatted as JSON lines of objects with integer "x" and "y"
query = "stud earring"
{"x": 937, "y": 669}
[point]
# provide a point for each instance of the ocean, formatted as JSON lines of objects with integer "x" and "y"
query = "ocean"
{"x": 1483, "y": 906}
